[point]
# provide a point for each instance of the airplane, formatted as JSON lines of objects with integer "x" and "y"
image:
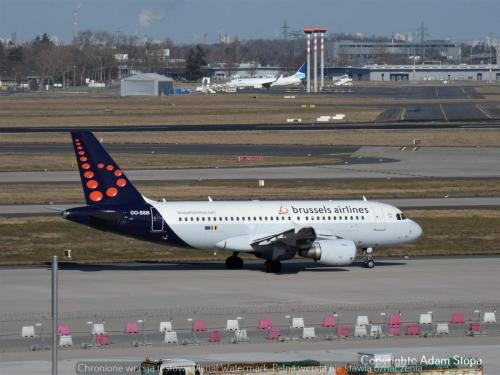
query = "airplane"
{"x": 293, "y": 80}
{"x": 254, "y": 82}
{"x": 329, "y": 232}
{"x": 342, "y": 81}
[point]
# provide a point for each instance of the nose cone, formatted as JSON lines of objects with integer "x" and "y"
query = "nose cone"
{"x": 415, "y": 230}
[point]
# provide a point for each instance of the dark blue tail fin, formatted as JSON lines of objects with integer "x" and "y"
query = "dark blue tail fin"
{"x": 303, "y": 68}
{"x": 102, "y": 179}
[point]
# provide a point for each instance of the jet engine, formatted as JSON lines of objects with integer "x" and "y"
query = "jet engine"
{"x": 337, "y": 252}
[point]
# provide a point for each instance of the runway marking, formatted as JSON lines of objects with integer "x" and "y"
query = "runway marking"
{"x": 483, "y": 111}
{"x": 437, "y": 93}
{"x": 443, "y": 112}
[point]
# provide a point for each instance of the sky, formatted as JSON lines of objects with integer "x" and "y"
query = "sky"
{"x": 191, "y": 21}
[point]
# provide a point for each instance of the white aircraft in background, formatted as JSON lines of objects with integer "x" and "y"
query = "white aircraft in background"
{"x": 254, "y": 82}
{"x": 342, "y": 81}
{"x": 293, "y": 80}
{"x": 329, "y": 232}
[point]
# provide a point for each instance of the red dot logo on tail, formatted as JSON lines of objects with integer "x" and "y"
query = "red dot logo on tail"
{"x": 112, "y": 192}
{"x": 88, "y": 174}
{"x": 92, "y": 184}
{"x": 118, "y": 172}
{"x": 121, "y": 182}
{"x": 95, "y": 196}
{"x": 110, "y": 168}
{"x": 86, "y": 166}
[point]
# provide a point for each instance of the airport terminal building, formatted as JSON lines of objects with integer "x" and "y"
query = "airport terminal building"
{"x": 484, "y": 73}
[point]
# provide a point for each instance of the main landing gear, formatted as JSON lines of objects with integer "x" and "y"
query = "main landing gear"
{"x": 234, "y": 262}
{"x": 272, "y": 266}
{"x": 368, "y": 258}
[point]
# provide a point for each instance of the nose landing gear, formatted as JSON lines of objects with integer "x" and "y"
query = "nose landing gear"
{"x": 368, "y": 258}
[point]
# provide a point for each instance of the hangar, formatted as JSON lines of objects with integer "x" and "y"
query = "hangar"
{"x": 146, "y": 84}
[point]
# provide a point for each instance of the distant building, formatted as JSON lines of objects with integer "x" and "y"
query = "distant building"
{"x": 348, "y": 52}
{"x": 460, "y": 72}
{"x": 146, "y": 84}
{"x": 244, "y": 70}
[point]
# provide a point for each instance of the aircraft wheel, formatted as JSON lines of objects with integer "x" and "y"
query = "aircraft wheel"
{"x": 272, "y": 266}
{"x": 369, "y": 263}
{"x": 234, "y": 263}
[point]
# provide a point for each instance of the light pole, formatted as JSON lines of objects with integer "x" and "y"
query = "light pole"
{"x": 55, "y": 313}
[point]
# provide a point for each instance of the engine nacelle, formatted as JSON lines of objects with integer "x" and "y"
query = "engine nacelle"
{"x": 332, "y": 252}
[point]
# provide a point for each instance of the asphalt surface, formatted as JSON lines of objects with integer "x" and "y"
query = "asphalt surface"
{"x": 119, "y": 293}
{"x": 493, "y": 202}
{"x": 405, "y": 125}
{"x": 440, "y": 162}
{"x": 186, "y": 149}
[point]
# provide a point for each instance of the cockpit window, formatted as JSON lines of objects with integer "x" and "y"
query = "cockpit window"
{"x": 403, "y": 217}
{"x": 398, "y": 216}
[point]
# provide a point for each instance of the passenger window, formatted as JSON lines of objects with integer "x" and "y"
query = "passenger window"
{"x": 272, "y": 218}
{"x": 317, "y": 217}
{"x": 237, "y": 218}
{"x": 197, "y": 218}
{"x": 362, "y": 218}
{"x": 340, "y": 217}
{"x": 243, "y": 218}
{"x": 307, "y": 218}
{"x": 232, "y": 218}
{"x": 220, "y": 218}
{"x": 180, "y": 219}
{"x": 192, "y": 219}
{"x": 290, "y": 218}
{"x": 226, "y": 218}
{"x": 203, "y": 218}
{"x": 254, "y": 218}
{"x": 260, "y": 218}
{"x": 298, "y": 218}
{"x": 249, "y": 218}
{"x": 352, "y": 218}
{"x": 357, "y": 218}
{"x": 346, "y": 218}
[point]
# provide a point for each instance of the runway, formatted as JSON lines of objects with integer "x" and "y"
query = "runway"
{"x": 403, "y": 203}
{"x": 486, "y": 123}
{"x": 429, "y": 162}
{"x": 117, "y": 293}
{"x": 186, "y": 149}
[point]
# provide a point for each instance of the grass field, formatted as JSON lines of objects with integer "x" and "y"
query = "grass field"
{"x": 274, "y": 189}
{"x": 92, "y": 110}
{"x": 28, "y": 240}
{"x": 97, "y": 109}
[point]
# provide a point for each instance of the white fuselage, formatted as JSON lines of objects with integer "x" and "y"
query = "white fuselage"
{"x": 205, "y": 225}
{"x": 288, "y": 81}
{"x": 257, "y": 82}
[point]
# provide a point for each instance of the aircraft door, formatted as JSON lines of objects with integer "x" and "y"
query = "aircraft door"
{"x": 157, "y": 222}
{"x": 380, "y": 223}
